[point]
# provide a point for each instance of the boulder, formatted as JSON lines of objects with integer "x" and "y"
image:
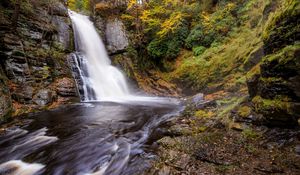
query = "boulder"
{"x": 23, "y": 94}
{"x": 44, "y": 97}
{"x": 116, "y": 37}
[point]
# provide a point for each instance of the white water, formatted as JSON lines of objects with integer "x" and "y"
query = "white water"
{"x": 103, "y": 79}
{"x": 18, "y": 167}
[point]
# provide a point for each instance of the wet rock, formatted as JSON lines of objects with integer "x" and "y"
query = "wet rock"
{"x": 198, "y": 98}
{"x": 116, "y": 38}
{"x": 66, "y": 87}
{"x": 44, "y": 97}
{"x": 197, "y": 102}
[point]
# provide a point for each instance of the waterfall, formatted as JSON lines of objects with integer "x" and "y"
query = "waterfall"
{"x": 98, "y": 78}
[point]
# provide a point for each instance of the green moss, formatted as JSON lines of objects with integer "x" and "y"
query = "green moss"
{"x": 203, "y": 114}
{"x": 244, "y": 111}
{"x": 285, "y": 55}
{"x": 283, "y": 26}
{"x": 265, "y": 106}
{"x": 250, "y": 134}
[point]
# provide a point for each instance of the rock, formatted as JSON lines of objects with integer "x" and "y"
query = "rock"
{"x": 198, "y": 98}
{"x": 276, "y": 88}
{"x": 197, "y": 101}
{"x": 23, "y": 94}
{"x": 165, "y": 170}
{"x": 167, "y": 142}
{"x": 116, "y": 37}
{"x": 17, "y": 70}
{"x": 178, "y": 130}
{"x": 64, "y": 31}
{"x": 100, "y": 25}
{"x": 182, "y": 161}
{"x": 297, "y": 149}
{"x": 283, "y": 29}
{"x": 252, "y": 84}
{"x": 32, "y": 59}
{"x": 34, "y": 35}
{"x": 237, "y": 127}
{"x": 5, "y": 101}
{"x": 59, "y": 9}
{"x": 254, "y": 58}
{"x": 44, "y": 97}
{"x": 66, "y": 87}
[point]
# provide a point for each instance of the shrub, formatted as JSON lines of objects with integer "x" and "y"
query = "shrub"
{"x": 199, "y": 50}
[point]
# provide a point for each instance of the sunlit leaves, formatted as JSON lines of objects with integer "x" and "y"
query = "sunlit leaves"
{"x": 171, "y": 24}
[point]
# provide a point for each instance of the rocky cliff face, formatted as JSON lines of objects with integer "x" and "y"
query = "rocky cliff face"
{"x": 275, "y": 88}
{"x": 34, "y": 70}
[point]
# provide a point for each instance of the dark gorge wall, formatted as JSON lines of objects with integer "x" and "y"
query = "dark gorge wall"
{"x": 35, "y": 41}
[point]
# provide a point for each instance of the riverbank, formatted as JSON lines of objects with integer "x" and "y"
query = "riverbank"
{"x": 218, "y": 137}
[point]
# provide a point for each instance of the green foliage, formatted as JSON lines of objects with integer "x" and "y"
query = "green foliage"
{"x": 167, "y": 47}
{"x": 79, "y": 5}
{"x": 213, "y": 27}
{"x": 199, "y": 50}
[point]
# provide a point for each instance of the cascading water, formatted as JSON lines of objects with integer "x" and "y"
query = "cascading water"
{"x": 99, "y": 79}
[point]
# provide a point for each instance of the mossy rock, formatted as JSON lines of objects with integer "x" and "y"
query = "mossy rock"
{"x": 283, "y": 28}
{"x": 277, "y": 112}
{"x": 279, "y": 75}
{"x": 285, "y": 63}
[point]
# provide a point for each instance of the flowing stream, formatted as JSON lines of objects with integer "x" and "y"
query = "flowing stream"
{"x": 109, "y": 133}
